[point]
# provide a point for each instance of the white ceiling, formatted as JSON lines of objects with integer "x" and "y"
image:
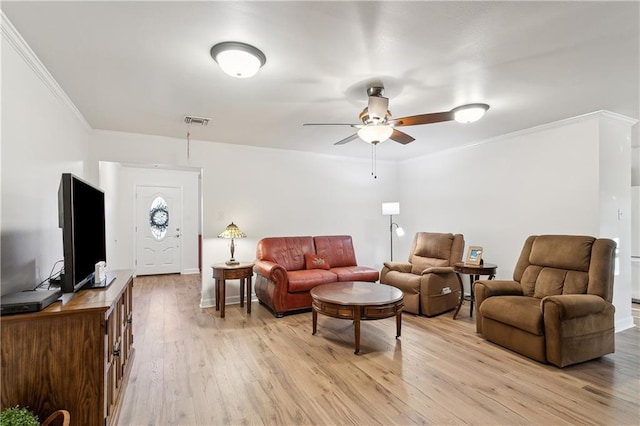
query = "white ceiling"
{"x": 142, "y": 66}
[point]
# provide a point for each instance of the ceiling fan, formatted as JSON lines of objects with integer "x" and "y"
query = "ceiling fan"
{"x": 378, "y": 125}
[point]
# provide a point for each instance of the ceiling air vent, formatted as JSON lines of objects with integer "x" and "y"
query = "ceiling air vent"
{"x": 192, "y": 119}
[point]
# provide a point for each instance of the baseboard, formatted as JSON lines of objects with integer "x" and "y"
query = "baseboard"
{"x": 207, "y": 303}
{"x": 234, "y": 300}
{"x": 190, "y": 271}
{"x": 624, "y": 324}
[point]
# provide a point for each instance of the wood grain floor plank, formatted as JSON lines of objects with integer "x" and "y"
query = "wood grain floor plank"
{"x": 193, "y": 368}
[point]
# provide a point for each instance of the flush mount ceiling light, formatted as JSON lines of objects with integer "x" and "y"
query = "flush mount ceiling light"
{"x": 469, "y": 113}
{"x": 376, "y": 133}
{"x": 238, "y": 59}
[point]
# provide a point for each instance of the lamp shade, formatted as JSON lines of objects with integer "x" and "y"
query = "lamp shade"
{"x": 232, "y": 231}
{"x": 469, "y": 113}
{"x": 390, "y": 208}
{"x": 238, "y": 59}
{"x": 376, "y": 133}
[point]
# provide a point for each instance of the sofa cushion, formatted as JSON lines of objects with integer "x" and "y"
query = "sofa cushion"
{"x": 305, "y": 280}
{"x": 562, "y": 252}
{"x": 433, "y": 245}
{"x": 315, "y": 261}
{"x": 337, "y": 249}
{"x": 522, "y": 312}
{"x": 419, "y": 264}
{"x": 541, "y": 281}
{"x": 356, "y": 273}
{"x": 552, "y": 282}
{"x": 288, "y": 252}
{"x": 431, "y": 249}
{"x": 549, "y": 282}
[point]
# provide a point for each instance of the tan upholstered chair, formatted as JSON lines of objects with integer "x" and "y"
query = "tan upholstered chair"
{"x": 428, "y": 271}
{"x": 558, "y": 307}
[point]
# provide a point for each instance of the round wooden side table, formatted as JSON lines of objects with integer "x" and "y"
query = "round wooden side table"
{"x": 474, "y": 272}
{"x": 242, "y": 271}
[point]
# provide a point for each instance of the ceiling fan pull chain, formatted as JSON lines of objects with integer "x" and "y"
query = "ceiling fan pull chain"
{"x": 373, "y": 161}
{"x": 188, "y": 144}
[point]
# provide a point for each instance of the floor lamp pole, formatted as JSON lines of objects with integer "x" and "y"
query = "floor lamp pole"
{"x": 391, "y": 234}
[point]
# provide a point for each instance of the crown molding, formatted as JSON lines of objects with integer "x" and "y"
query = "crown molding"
{"x": 15, "y": 40}
{"x": 552, "y": 125}
{"x": 617, "y": 117}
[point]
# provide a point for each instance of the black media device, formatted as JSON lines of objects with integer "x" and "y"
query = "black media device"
{"x": 81, "y": 212}
{"x": 27, "y": 301}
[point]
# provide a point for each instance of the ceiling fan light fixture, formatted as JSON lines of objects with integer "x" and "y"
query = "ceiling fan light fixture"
{"x": 376, "y": 133}
{"x": 469, "y": 113}
{"x": 238, "y": 59}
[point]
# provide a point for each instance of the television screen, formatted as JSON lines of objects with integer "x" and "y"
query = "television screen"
{"x": 82, "y": 219}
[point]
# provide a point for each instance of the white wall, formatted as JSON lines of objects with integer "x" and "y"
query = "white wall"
{"x": 635, "y": 243}
{"x": 109, "y": 177}
{"x": 121, "y": 237}
{"x": 615, "y": 205}
{"x": 635, "y": 212}
{"x": 635, "y": 155}
{"x": 43, "y": 136}
{"x": 269, "y": 192}
{"x": 544, "y": 180}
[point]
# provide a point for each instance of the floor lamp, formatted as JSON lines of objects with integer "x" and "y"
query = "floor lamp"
{"x": 389, "y": 209}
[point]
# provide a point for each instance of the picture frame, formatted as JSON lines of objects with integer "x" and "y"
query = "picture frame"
{"x": 474, "y": 256}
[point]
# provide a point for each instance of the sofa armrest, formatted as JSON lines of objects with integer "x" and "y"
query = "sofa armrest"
{"x": 398, "y": 266}
{"x": 438, "y": 270}
{"x": 271, "y": 285}
{"x": 269, "y": 270}
{"x": 570, "y": 306}
{"x": 483, "y": 289}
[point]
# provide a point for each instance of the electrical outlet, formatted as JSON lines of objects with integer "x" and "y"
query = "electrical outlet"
{"x": 446, "y": 290}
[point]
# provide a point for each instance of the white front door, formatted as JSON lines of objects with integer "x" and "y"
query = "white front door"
{"x": 158, "y": 223}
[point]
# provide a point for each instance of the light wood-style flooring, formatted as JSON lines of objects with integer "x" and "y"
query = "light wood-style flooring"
{"x": 193, "y": 368}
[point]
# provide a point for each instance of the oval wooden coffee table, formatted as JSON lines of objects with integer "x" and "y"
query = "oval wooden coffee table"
{"x": 357, "y": 301}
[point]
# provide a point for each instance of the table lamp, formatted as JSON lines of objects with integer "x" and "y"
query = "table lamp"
{"x": 232, "y": 231}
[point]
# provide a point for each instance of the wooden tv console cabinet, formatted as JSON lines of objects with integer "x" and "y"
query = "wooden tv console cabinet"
{"x": 73, "y": 355}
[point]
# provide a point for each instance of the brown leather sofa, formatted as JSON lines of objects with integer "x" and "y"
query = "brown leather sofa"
{"x": 428, "y": 271}
{"x": 287, "y": 268}
{"x": 557, "y": 309}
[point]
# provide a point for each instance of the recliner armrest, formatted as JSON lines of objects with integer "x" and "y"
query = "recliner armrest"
{"x": 483, "y": 289}
{"x": 575, "y": 305}
{"x": 399, "y": 266}
{"x": 437, "y": 270}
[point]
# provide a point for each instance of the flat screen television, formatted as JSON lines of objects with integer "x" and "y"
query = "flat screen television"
{"x": 81, "y": 212}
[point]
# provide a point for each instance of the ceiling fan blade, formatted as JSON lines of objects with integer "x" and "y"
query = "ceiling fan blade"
{"x": 377, "y": 107}
{"x": 347, "y": 139}
{"x": 401, "y": 137}
{"x": 435, "y": 117}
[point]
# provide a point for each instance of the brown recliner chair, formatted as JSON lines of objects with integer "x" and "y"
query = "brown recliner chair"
{"x": 428, "y": 272}
{"x": 558, "y": 307}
